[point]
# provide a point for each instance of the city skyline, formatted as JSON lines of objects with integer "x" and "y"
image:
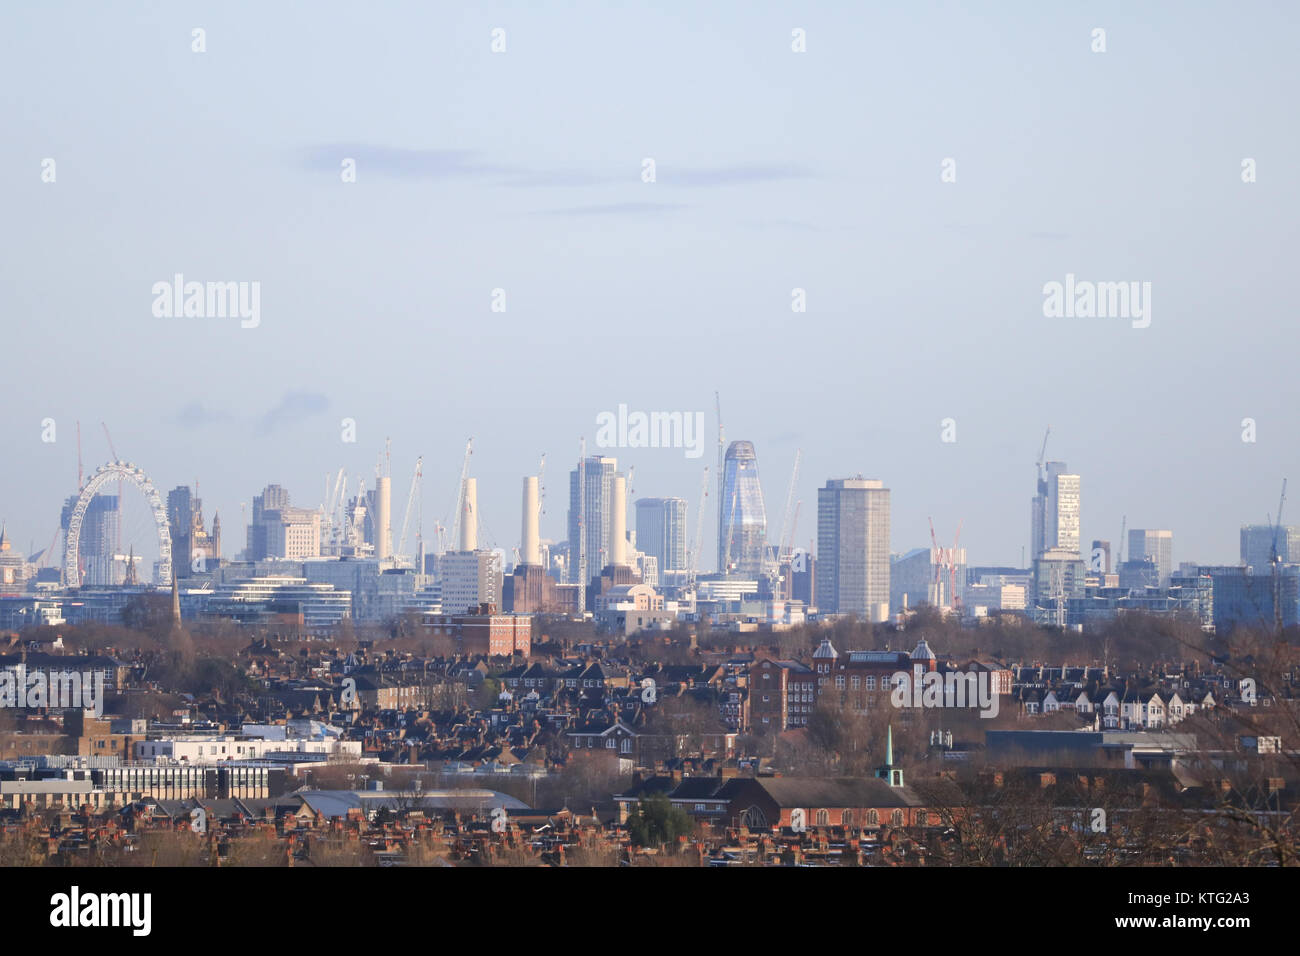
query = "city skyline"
{"x": 602, "y": 472}
{"x": 473, "y": 175}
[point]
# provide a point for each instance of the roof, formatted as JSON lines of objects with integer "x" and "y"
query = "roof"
{"x": 830, "y": 792}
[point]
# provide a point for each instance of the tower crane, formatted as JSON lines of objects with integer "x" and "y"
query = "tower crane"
{"x": 699, "y": 530}
{"x": 722, "y": 444}
{"x": 410, "y": 501}
{"x": 541, "y": 490}
{"x": 953, "y": 596}
{"x": 119, "y": 486}
{"x": 1275, "y": 561}
{"x": 788, "y": 546}
{"x": 782, "y": 551}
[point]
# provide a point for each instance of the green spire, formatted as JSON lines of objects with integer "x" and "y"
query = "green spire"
{"x": 889, "y": 746}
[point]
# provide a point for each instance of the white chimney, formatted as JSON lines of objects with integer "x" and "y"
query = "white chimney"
{"x": 530, "y": 551}
{"x": 618, "y": 524}
{"x": 469, "y": 517}
{"x": 383, "y": 516}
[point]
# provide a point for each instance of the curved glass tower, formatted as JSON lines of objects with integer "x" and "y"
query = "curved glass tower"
{"x": 743, "y": 536}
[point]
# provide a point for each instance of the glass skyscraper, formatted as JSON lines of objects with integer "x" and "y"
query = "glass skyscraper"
{"x": 661, "y": 531}
{"x": 742, "y": 537}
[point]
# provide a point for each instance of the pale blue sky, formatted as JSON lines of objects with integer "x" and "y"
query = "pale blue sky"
{"x": 775, "y": 170}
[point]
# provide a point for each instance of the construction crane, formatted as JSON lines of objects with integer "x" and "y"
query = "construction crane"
{"x": 722, "y": 444}
{"x": 357, "y": 527}
{"x": 120, "y": 487}
{"x": 1119, "y": 552}
{"x": 953, "y": 596}
{"x": 726, "y": 557}
{"x": 410, "y": 502}
{"x": 1042, "y": 455}
{"x": 460, "y": 493}
{"x": 936, "y": 559}
{"x": 781, "y": 542}
{"x": 693, "y": 568}
{"x": 541, "y": 490}
{"x": 788, "y": 546}
{"x": 1275, "y": 561}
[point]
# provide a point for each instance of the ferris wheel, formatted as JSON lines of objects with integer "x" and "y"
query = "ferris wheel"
{"x": 120, "y": 471}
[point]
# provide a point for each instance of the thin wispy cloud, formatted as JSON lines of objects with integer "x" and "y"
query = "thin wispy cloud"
{"x": 198, "y": 415}
{"x": 617, "y": 209}
{"x": 405, "y": 163}
{"x": 294, "y": 407}
{"x": 731, "y": 175}
{"x": 443, "y": 164}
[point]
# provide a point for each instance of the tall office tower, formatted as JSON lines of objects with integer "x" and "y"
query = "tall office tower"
{"x": 292, "y": 533}
{"x": 1257, "y": 546}
{"x": 596, "y": 503}
{"x": 661, "y": 531}
{"x": 743, "y": 537}
{"x": 853, "y": 548}
{"x": 1157, "y": 546}
{"x": 618, "y": 548}
{"x": 272, "y": 498}
{"x": 97, "y": 541}
{"x": 1054, "y": 521}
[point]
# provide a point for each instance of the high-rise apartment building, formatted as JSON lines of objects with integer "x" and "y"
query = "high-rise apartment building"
{"x": 597, "y": 503}
{"x": 853, "y": 548}
{"x": 98, "y": 539}
{"x": 661, "y": 531}
{"x": 742, "y": 538}
{"x": 470, "y": 579}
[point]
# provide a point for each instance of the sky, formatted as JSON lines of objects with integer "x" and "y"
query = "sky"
{"x": 522, "y": 170}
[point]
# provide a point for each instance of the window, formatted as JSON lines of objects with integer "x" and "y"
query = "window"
{"x": 610, "y": 743}
{"x": 857, "y": 682}
{"x": 898, "y": 818}
{"x": 823, "y": 818}
{"x": 873, "y": 818}
{"x": 871, "y": 683}
{"x": 846, "y": 818}
{"x": 839, "y": 681}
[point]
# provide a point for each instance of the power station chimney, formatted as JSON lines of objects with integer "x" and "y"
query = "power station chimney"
{"x": 469, "y": 517}
{"x": 618, "y": 523}
{"x": 384, "y": 516}
{"x": 530, "y": 551}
